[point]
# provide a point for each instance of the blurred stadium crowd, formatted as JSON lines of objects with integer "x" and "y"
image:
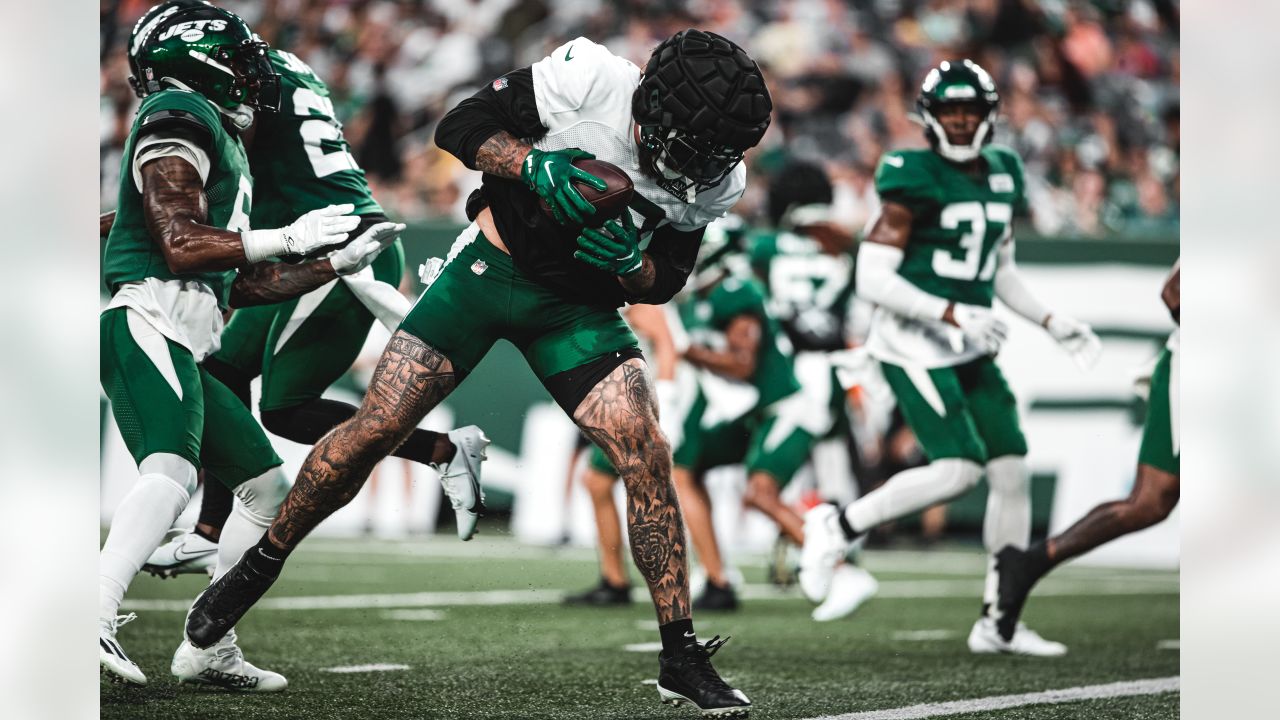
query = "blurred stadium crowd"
{"x": 1089, "y": 87}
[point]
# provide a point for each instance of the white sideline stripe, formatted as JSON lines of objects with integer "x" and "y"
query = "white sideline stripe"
{"x": 374, "y": 667}
{"x": 1174, "y": 644}
{"x": 898, "y": 589}
{"x": 643, "y": 647}
{"x": 923, "y": 635}
{"x": 412, "y": 614}
{"x": 1153, "y": 686}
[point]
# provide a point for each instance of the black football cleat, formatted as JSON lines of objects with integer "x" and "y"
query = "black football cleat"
{"x": 224, "y": 602}
{"x": 688, "y": 677}
{"x": 602, "y": 595}
{"x": 717, "y": 597}
{"x": 1017, "y": 572}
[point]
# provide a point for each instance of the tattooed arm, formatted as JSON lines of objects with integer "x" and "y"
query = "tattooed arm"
{"x": 482, "y": 130}
{"x": 410, "y": 380}
{"x": 272, "y": 282}
{"x": 174, "y": 207}
{"x": 620, "y": 416}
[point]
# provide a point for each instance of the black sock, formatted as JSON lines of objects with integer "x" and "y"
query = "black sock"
{"x": 215, "y": 506}
{"x": 849, "y": 533}
{"x": 421, "y": 447}
{"x": 1039, "y": 560}
{"x": 266, "y": 558}
{"x": 676, "y": 634}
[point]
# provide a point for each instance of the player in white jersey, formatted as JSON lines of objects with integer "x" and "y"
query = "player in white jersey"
{"x": 553, "y": 287}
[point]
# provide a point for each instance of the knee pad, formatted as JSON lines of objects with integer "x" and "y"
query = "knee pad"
{"x": 959, "y": 475}
{"x": 175, "y": 467}
{"x": 261, "y": 497}
{"x": 1008, "y": 474}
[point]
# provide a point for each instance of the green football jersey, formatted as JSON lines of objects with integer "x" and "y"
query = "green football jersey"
{"x": 958, "y": 220}
{"x": 706, "y": 317}
{"x": 809, "y": 289}
{"x": 131, "y": 254}
{"x": 300, "y": 160}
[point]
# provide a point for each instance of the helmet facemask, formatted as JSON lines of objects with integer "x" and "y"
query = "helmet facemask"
{"x": 681, "y": 165}
{"x": 952, "y": 83}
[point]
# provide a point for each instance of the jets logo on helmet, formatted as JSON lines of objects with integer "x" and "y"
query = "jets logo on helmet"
{"x": 700, "y": 105}
{"x": 958, "y": 82}
{"x": 141, "y": 29}
{"x": 198, "y": 47}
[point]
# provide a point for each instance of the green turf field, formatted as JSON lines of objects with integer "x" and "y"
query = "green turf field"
{"x": 482, "y": 635}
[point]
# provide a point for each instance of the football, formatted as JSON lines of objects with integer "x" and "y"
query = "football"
{"x": 610, "y": 202}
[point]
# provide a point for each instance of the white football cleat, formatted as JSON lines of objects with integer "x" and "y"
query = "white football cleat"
{"x": 114, "y": 665}
{"x": 461, "y": 478}
{"x": 985, "y": 639}
{"x": 850, "y": 587}
{"x": 824, "y": 548}
{"x": 223, "y": 665}
{"x": 186, "y": 553}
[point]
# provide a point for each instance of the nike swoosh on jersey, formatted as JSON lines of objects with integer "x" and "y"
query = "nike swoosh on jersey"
{"x": 894, "y": 160}
{"x": 568, "y": 54}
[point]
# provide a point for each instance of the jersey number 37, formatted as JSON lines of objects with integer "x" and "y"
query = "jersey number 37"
{"x": 977, "y": 215}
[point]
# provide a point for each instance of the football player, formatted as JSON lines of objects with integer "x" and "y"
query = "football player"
{"x": 552, "y": 288}
{"x": 178, "y": 254}
{"x": 300, "y": 160}
{"x": 938, "y": 253}
{"x": 1155, "y": 490}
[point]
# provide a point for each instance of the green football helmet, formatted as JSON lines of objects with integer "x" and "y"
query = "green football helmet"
{"x": 146, "y": 24}
{"x": 210, "y": 51}
{"x": 958, "y": 82}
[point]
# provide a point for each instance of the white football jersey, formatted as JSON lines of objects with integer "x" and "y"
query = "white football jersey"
{"x": 583, "y": 93}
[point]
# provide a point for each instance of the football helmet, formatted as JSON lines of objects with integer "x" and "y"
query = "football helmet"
{"x": 210, "y": 51}
{"x": 799, "y": 194}
{"x": 146, "y": 23}
{"x": 958, "y": 82}
{"x": 700, "y": 105}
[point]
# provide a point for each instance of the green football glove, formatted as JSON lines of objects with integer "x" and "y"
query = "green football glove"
{"x": 551, "y": 173}
{"x": 617, "y": 251}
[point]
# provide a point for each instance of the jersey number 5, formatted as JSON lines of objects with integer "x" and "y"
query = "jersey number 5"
{"x": 977, "y": 215}
{"x": 319, "y": 129}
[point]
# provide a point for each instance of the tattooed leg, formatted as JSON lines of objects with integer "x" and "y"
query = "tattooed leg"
{"x": 410, "y": 380}
{"x": 621, "y": 416}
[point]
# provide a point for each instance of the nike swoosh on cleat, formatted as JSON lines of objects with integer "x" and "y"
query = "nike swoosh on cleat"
{"x": 568, "y": 53}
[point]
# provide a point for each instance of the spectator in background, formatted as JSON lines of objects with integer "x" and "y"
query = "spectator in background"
{"x": 1090, "y": 86}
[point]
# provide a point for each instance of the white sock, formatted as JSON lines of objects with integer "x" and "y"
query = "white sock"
{"x": 1008, "y": 518}
{"x": 242, "y": 531}
{"x": 137, "y": 529}
{"x": 912, "y": 491}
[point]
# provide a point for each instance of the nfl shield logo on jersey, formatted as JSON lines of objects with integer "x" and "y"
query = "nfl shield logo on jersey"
{"x": 478, "y": 267}
{"x": 499, "y": 84}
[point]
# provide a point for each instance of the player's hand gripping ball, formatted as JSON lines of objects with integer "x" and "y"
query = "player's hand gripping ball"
{"x": 615, "y": 248}
{"x": 574, "y": 188}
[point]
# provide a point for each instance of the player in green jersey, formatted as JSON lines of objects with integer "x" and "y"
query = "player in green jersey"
{"x": 935, "y": 258}
{"x": 1156, "y": 487}
{"x": 301, "y": 161}
{"x": 178, "y": 254}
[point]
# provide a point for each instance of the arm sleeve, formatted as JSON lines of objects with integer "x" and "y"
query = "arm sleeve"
{"x": 672, "y": 252}
{"x": 157, "y": 145}
{"x": 504, "y": 104}
{"x": 1011, "y": 289}
{"x": 878, "y": 281}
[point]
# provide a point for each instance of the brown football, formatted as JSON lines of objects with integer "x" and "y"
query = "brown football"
{"x": 610, "y": 202}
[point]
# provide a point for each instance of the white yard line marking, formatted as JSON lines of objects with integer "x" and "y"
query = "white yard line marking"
{"x": 923, "y": 635}
{"x": 1174, "y": 644}
{"x": 898, "y": 589}
{"x": 644, "y": 647}
{"x": 423, "y": 614}
{"x": 374, "y": 667}
{"x": 1153, "y": 686}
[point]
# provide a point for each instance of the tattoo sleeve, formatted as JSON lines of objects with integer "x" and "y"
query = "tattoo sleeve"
{"x": 174, "y": 207}
{"x": 501, "y": 155}
{"x": 272, "y": 282}
{"x": 620, "y": 415}
{"x": 410, "y": 380}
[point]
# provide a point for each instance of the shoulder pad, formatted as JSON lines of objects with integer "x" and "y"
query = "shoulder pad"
{"x": 902, "y": 175}
{"x": 172, "y": 121}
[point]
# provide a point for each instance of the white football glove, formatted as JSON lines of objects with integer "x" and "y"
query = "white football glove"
{"x": 1077, "y": 339}
{"x": 981, "y": 326}
{"x": 359, "y": 253}
{"x": 314, "y": 230}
